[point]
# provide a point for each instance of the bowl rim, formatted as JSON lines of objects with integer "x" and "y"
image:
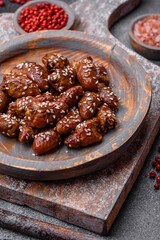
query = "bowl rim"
{"x": 131, "y": 34}
{"x": 64, "y": 5}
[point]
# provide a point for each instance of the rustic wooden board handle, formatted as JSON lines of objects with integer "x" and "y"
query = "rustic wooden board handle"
{"x": 39, "y": 229}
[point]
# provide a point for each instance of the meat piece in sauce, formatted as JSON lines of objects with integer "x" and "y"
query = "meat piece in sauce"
{"x": 86, "y": 133}
{"x": 5, "y": 99}
{"x": 18, "y": 108}
{"x": 62, "y": 79}
{"x": 42, "y": 114}
{"x": 54, "y": 61}
{"x": 106, "y": 118}
{"x": 102, "y": 74}
{"x": 47, "y": 96}
{"x": 86, "y": 74}
{"x": 53, "y": 91}
{"x": 74, "y": 65}
{"x": 32, "y": 111}
{"x": 26, "y": 133}
{"x": 108, "y": 96}
{"x": 9, "y": 126}
{"x": 46, "y": 140}
{"x": 33, "y": 71}
{"x": 39, "y": 75}
{"x": 69, "y": 122}
{"x": 12, "y": 109}
{"x": 19, "y": 86}
{"x": 88, "y": 104}
{"x": 71, "y": 96}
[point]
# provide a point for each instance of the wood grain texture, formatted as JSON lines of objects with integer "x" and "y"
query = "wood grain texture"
{"x": 39, "y": 229}
{"x": 128, "y": 79}
{"x": 93, "y": 201}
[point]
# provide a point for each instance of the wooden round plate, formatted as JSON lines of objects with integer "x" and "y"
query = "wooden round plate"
{"x": 128, "y": 79}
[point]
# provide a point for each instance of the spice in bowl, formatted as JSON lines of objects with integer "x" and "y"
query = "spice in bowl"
{"x": 20, "y": 1}
{"x": 42, "y": 16}
{"x": 147, "y": 30}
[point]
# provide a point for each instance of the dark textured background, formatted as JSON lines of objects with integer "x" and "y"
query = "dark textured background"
{"x": 140, "y": 214}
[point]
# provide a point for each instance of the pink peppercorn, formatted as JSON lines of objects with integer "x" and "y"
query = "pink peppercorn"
{"x": 20, "y": 1}
{"x": 158, "y": 167}
{"x": 152, "y": 174}
{"x": 154, "y": 163}
{"x": 1, "y": 3}
{"x": 156, "y": 186}
{"x": 158, "y": 179}
{"x": 156, "y": 158}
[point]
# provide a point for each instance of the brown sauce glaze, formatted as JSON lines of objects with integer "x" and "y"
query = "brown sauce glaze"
{"x": 60, "y": 102}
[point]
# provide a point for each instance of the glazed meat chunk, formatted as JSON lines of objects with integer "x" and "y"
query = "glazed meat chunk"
{"x": 33, "y": 71}
{"x": 74, "y": 65}
{"x": 5, "y": 99}
{"x": 108, "y": 96}
{"x": 106, "y": 118}
{"x": 18, "y": 108}
{"x": 46, "y": 140}
{"x": 59, "y": 100}
{"x": 12, "y": 109}
{"x": 47, "y": 96}
{"x": 88, "y": 104}
{"x": 86, "y": 74}
{"x": 19, "y": 86}
{"x": 42, "y": 114}
{"x": 86, "y": 133}
{"x": 102, "y": 74}
{"x": 69, "y": 122}
{"x": 9, "y": 126}
{"x": 39, "y": 75}
{"x": 26, "y": 133}
{"x": 20, "y": 69}
{"x": 54, "y": 61}
{"x": 62, "y": 79}
{"x": 71, "y": 96}
{"x": 53, "y": 91}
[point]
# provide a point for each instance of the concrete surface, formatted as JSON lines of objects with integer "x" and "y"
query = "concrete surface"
{"x": 140, "y": 214}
